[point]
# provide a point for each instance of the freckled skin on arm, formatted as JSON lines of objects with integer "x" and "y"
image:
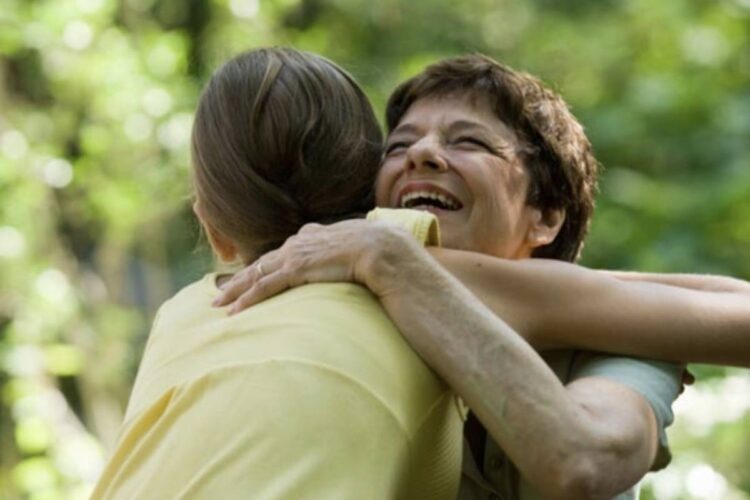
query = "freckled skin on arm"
{"x": 567, "y": 441}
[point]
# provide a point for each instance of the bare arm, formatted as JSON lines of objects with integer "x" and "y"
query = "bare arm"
{"x": 591, "y": 439}
{"x": 682, "y": 318}
{"x": 705, "y": 282}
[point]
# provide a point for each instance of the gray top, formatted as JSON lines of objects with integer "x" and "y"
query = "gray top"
{"x": 658, "y": 382}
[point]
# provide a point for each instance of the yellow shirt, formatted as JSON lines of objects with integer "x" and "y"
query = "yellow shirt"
{"x": 312, "y": 394}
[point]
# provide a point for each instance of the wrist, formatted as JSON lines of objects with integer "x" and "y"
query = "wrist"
{"x": 386, "y": 255}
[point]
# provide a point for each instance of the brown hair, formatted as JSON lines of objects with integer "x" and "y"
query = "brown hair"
{"x": 556, "y": 152}
{"x": 282, "y": 138}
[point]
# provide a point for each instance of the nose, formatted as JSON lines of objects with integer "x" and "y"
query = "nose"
{"x": 426, "y": 154}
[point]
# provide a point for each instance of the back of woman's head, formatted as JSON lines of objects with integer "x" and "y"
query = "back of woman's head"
{"x": 282, "y": 138}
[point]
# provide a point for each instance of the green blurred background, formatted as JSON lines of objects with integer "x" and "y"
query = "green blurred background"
{"x": 96, "y": 99}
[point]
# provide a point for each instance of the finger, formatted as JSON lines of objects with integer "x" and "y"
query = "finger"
{"x": 266, "y": 287}
{"x": 310, "y": 227}
{"x": 237, "y": 284}
{"x": 246, "y": 278}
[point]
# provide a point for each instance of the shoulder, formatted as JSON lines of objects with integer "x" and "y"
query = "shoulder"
{"x": 234, "y": 429}
{"x": 188, "y": 301}
{"x": 339, "y": 328}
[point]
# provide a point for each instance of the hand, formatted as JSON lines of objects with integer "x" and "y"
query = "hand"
{"x": 341, "y": 252}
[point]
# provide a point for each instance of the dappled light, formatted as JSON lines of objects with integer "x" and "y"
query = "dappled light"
{"x": 96, "y": 228}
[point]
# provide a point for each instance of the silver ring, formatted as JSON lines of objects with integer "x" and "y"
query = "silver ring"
{"x": 259, "y": 266}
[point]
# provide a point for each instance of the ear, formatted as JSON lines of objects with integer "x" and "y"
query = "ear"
{"x": 223, "y": 247}
{"x": 544, "y": 227}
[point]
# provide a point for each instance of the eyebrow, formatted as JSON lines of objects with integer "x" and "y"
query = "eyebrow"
{"x": 461, "y": 125}
{"x": 501, "y": 146}
{"x": 457, "y": 126}
{"x": 406, "y": 128}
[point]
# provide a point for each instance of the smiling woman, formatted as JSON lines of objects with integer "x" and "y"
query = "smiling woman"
{"x": 661, "y": 87}
{"x": 456, "y": 147}
{"x": 521, "y": 173}
{"x": 492, "y": 109}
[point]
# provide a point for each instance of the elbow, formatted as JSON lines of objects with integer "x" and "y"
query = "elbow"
{"x": 589, "y": 474}
{"x": 616, "y": 458}
{"x": 581, "y": 478}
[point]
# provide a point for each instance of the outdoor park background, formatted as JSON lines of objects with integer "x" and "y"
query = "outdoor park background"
{"x": 96, "y": 99}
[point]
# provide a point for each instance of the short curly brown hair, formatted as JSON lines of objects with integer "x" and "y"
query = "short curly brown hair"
{"x": 557, "y": 154}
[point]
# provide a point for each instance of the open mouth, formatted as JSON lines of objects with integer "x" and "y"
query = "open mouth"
{"x": 431, "y": 198}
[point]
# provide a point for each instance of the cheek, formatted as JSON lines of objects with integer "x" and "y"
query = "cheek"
{"x": 384, "y": 184}
{"x": 518, "y": 181}
{"x": 494, "y": 200}
{"x": 501, "y": 186}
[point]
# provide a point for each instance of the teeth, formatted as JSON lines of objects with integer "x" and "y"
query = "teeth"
{"x": 444, "y": 200}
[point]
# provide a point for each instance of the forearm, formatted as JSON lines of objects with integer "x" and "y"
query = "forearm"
{"x": 551, "y": 438}
{"x": 705, "y": 282}
{"x": 565, "y": 443}
{"x": 557, "y": 305}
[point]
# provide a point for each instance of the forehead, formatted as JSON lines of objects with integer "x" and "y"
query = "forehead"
{"x": 444, "y": 110}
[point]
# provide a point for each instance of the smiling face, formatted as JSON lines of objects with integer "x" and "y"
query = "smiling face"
{"x": 452, "y": 156}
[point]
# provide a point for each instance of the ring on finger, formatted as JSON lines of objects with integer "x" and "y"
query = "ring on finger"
{"x": 259, "y": 267}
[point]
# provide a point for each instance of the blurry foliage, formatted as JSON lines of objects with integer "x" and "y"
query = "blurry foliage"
{"x": 96, "y": 99}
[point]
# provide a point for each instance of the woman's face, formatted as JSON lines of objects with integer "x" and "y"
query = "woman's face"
{"x": 453, "y": 157}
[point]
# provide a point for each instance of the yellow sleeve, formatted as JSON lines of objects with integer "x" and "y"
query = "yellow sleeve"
{"x": 275, "y": 430}
{"x": 423, "y": 225}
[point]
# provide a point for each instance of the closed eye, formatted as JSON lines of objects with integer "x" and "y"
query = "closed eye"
{"x": 396, "y": 147}
{"x": 474, "y": 142}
